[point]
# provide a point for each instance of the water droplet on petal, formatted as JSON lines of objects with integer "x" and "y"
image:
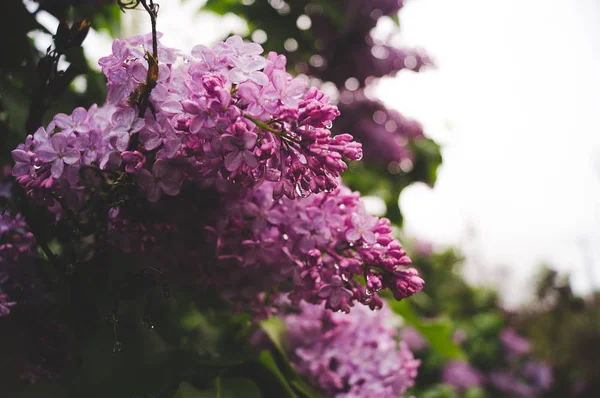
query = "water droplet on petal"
{"x": 285, "y": 237}
{"x": 301, "y": 192}
{"x": 344, "y": 276}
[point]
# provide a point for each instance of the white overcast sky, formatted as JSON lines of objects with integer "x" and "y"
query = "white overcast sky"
{"x": 514, "y": 102}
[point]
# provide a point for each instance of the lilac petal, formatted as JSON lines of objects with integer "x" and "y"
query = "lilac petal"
{"x": 46, "y": 153}
{"x": 235, "y": 42}
{"x": 20, "y": 156}
{"x": 145, "y": 179}
{"x": 199, "y": 50}
{"x": 369, "y": 237}
{"x": 71, "y": 155}
{"x": 237, "y": 75}
{"x": 256, "y": 64}
{"x": 296, "y": 87}
{"x": 40, "y": 136}
{"x": 159, "y": 93}
{"x": 191, "y": 107}
{"x": 356, "y": 220}
{"x": 90, "y": 156}
{"x": 163, "y": 73}
{"x": 171, "y": 188}
{"x": 79, "y": 115}
{"x": 110, "y": 160}
{"x": 279, "y": 79}
{"x": 197, "y": 123}
{"x": 172, "y": 146}
{"x": 229, "y": 142}
{"x": 256, "y": 111}
{"x": 252, "y": 49}
{"x": 151, "y": 139}
{"x": 335, "y": 299}
{"x": 57, "y": 168}
{"x": 171, "y": 107}
{"x": 233, "y": 161}
{"x": 83, "y": 128}
{"x": 259, "y": 77}
{"x": 137, "y": 125}
{"x": 82, "y": 142}
{"x": 352, "y": 235}
{"x": 325, "y": 291}
{"x": 248, "y": 91}
{"x": 250, "y": 159}
{"x": 122, "y": 141}
{"x": 63, "y": 121}
{"x": 59, "y": 143}
{"x": 249, "y": 139}
{"x": 20, "y": 169}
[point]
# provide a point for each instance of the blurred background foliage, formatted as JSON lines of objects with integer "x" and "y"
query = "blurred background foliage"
{"x": 205, "y": 352}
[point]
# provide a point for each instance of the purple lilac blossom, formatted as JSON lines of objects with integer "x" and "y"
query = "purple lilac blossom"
{"x": 461, "y": 375}
{"x": 414, "y": 339}
{"x": 350, "y": 355}
{"x": 234, "y": 123}
{"x": 352, "y": 52}
{"x": 539, "y": 374}
{"x": 384, "y": 133}
{"x": 514, "y": 344}
{"x": 245, "y": 120}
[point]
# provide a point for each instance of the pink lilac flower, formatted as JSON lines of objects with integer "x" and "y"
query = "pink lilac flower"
{"x": 75, "y": 123}
{"x": 236, "y": 147}
{"x": 164, "y": 178}
{"x": 350, "y": 355}
{"x": 58, "y": 154}
{"x": 416, "y": 342}
{"x": 461, "y": 375}
{"x": 362, "y": 228}
{"x": 5, "y": 304}
{"x": 515, "y": 344}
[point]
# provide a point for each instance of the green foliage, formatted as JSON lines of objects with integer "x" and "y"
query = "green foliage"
{"x": 438, "y": 332}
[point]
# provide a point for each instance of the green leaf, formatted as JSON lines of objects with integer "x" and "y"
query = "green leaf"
{"x": 15, "y": 102}
{"x": 266, "y": 358}
{"x": 437, "y": 332}
{"x": 221, "y": 6}
{"x": 275, "y": 329}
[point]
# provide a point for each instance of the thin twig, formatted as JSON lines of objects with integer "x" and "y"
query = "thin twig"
{"x": 265, "y": 126}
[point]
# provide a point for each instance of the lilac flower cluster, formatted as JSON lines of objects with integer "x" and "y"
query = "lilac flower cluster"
{"x": 228, "y": 121}
{"x": 15, "y": 245}
{"x": 349, "y": 50}
{"x": 526, "y": 377}
{"x": 224, "y": 113}
{"x": 350, "y": 355}
{"x": 318, "y": 249}
{"x": 385, "y": 133}
{"x": 461, "y": 375}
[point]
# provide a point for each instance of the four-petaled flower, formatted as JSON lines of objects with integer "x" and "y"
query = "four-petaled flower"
{"x": 76, "y": 122}
{"x": 58, "y": 153}
{"x": 24, "y": 163}
{"x": 163, "y": 178}
{"x": 336, "y": 294}
{"x": 238, "y": 148}
{"x": 362, "y": 227}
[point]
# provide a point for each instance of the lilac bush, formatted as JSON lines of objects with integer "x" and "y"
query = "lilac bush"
{"x": 221, "y": 121}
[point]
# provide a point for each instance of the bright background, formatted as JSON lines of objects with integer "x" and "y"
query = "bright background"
{"x": 514, "y": 102}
